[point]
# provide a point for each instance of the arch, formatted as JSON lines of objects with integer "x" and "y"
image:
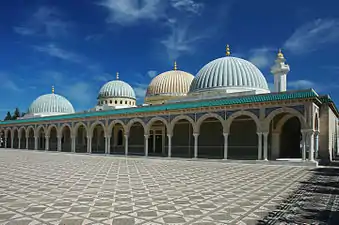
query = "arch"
{"x": 136, "y": 131}
{"x": 133, "y": 121}
{"x": 268, "y": 119}
{"x": 22, "y": 135}
{"x": 39, "y": 128}
{"x": 235, "y": 115}
{"x": 41, "y": 137}
{"x": 65, "y": 133}
{"x": 49, "y": 128}
{"x": 282, "y": 121}
{"x": 154, "y": 119}
{"x": 97, "y": 134}
{"x": 22, "y": 129}
{"x": 2, "y": 138}
{"x": 112, "y": 124}
{"x": 8, "y": 136}
{"x": 14, "y": 129}
{"x": 15, "y": 137}
{"x": 290, "y": 138}
{"x": 76, "y": 127}
{"x": 62, "y": 127}
{"x": 8, "y": 131}
{"x": 28, "y": 129}
{"x": 183, "y": 117}
{"x": 183, "y": 128}
{"x": 80, "y": 137}
{"x": 92, "y": 127}
{"x": 209, "y": 115}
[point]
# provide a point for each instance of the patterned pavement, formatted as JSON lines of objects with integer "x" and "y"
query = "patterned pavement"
{"x": 70, "y": 189}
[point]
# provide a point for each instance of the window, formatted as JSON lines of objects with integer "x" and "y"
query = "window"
{"x": 116, "y": 102}
{"x": 125, "y": 102}
{"x": 110, "y": 101}
{"x": 121, "y": 102}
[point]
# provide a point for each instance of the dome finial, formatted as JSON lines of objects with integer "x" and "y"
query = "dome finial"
{"x": 280, "y": 54}
{"x": 117, "y": 76}
{"x": 52, "y": 89}
{"x": 228, "y": 51}
{"x": 175, "y": 65}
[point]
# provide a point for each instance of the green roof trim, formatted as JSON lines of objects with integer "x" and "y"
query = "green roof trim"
{"x": 301, "y": 94}
{"x": 326, "y": 99}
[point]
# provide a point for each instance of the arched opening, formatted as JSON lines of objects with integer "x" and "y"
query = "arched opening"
{"x": 285, "y": 137}
{"x": 182, "y": 140}
{"x": 157, "y": 141}
{"x": 22, "y": 135}
{"x": 136, "y": 140}
{"x": 81, "y": 138}
{"x": 53, "y": 139}
{"x": 41, "y": 139}
{"x": 9, "y": 139}
{"x": 30, "y": 135}
{"x": 243, "y": 139}
{"x": 16, "y": 139}
{"x": 2, "y": 139}
{"x": 117, "y": 142}
{"x": 211, "y": 139}
{"x": 66, "y": 141}
{"x": 290, "y": 139}
{"x": 98, "y": 139}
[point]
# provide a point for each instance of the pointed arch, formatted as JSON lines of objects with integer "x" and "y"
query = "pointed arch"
{"x": 112, "y": 124}
{"x": 133, "y": 121}
{"x": 268, "y": 119}
{"x": 230, "y": 119}
{"x": 28, "y": 129}
{"x": 76, "y": 127}
{"x": 183, "y": 117}
{"x": 92, "y": 127}
{"x": 154, "y": 119}
{"x": 20, "y": 131}
{"x": 39, "y": 128}
{"x": 62, "y": 127}
{"x": 50, "y": 128}
{"x": 206, "y": 116}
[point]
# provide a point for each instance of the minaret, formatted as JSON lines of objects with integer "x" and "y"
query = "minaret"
{"x": 52, "y": 89}
{"x": 228, "y": 50}
{"x": 117, "y": 76}
{"x": 175, "y": 65}
{"x": 280, "y": 70}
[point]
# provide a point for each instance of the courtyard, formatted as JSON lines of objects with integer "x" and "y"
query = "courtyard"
{"x": 70, "y": 189}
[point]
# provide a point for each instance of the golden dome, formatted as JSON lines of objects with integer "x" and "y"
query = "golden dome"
{"x": 168, "y": 85}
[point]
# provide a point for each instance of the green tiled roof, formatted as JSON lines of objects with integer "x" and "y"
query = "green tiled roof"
{"x": 177, "y": 106}
{"x": 327, "y": 99}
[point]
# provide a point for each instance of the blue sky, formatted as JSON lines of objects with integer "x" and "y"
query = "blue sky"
{"x": 79, "y": 46}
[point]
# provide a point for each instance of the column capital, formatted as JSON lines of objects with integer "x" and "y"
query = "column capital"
{"x": 259, "y": 133}
{"x": 89, "y": 136}
{"x": 146, "y": 136}
{"x": 169, "y": 135}
{"x": 108, "y": 136}
{"x": 225, "y": 134}
{"x": 195, "y": 134}
{"x": 307, "y": 131}
{"x": 126, "y": 134}
{"x": 47, "y": 137}
{"x": 265, "y": 133}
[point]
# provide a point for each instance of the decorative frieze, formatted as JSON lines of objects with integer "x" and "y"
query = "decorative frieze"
{"x": 269, "y": 110}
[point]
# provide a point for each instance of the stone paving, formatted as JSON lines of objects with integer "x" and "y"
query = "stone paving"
{"x": 59, "y": 188}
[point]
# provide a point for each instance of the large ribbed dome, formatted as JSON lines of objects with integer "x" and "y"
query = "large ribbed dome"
{"x": 229, "y": 74}
{"x": 170, "y": 83}
{"x": 51, "y": 104}
{"x": 117, "y": 88}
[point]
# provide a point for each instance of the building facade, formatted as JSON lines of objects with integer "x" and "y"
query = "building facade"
{"x": 225, "y": 112}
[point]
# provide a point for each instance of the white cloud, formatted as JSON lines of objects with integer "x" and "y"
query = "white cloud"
{"x": 81, "y": 93}
{"x": 45, "y": 21}
{"x": 103, "y": 77}
{"x": 187, "y": 5}
{"x": 8, "y": 84}
{"x": 152, "y": 73}
{"x": 126, "y": 12}
{"x": 262, "y": 57}
{"x": 301, "y": 84}
{"x": 313, "y": 35}
{"x": 54, "y": 51}
{"x": 181, "y": 39}
{"x": 140, "y": 90}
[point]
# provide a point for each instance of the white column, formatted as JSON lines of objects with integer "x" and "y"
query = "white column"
{"x": 89, "y": 144}
{"x": 19, "y": 144}
{"x": 316, "y": 144}
{"x": 27, "y": 141}
{"x": 146, "y": 144}
{"x": 126, "y": 144}
{"x": 6, "y": 141}
{"x": 35, "y": 143}
{"x": 259, "y": 145}
{"x": 311, "y": 146}
{"x": 196, "y": 136}
{"x": 12, "y": 141}
{"x": 73, "y": 138}
{"x": 59, "y": 143}
{"x": 47, "y": 143}
{"x": 108, "y": 144}
{"x": 169, "y": 145}
{"x": 265, "y": 145}
{"x": 225, "y": 145}
{"x": 303, "y": 143}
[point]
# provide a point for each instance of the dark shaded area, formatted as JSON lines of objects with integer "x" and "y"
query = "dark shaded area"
{"x": 290, "y": 139}
{"x": 314, "y": 202}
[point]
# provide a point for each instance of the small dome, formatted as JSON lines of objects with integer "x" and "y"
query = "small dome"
{"x": 229, "y": 73}
{"x": 116, "y": 88}
{"x": 170, "y": 83}
{"x": 51, "y": 104}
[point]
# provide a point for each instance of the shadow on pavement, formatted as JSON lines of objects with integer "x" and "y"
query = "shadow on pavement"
{"x": 314, "y": 202}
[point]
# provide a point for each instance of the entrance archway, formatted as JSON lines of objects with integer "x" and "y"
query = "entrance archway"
{"x": 211, "y": 139}
{"x": 182, "y": 140}
{"x": 30, "y": 136}
{"x": 290, "y": 139}
{"x": 2, "y": 139}
{"x": 22, "y": 135}
{"x": 9, "y": 138}
{"x": 15, "y": 138}
{"x": 157, "y": 141}
{"x": 53, "y": 139}
{"x": 98, "y": 139}
{"x": 81, "y": 138}
{"x": 41, "y": 138}
{"x": 136, "y": 139}
{"x": 243, "y": 139}
{"x": 66, "y": 141}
